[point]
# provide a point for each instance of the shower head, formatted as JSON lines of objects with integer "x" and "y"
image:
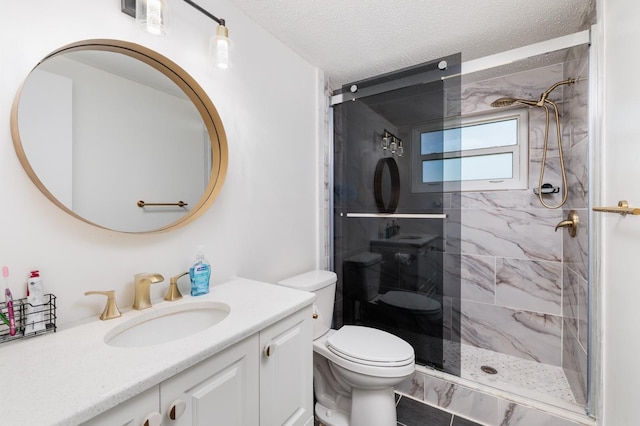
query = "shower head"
{"x": 503, "y": 102}
{"x": 508, "y": 101}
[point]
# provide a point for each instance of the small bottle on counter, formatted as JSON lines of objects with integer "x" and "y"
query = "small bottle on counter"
{"x": 200, "y": 274}
{"x": 35, "y": 300}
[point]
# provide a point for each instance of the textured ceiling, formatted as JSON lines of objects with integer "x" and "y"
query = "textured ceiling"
{"x": 356, "y": 39}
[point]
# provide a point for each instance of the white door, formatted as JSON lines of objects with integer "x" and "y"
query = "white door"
{"x": 621, "y": 235}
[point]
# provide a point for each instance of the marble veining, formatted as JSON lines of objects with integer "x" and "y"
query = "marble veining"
{"x": 574, "y": 363}
{"x": 578, "y": 174}
{"x": 475, "y": 274}
{"x": 531, "y": 285}
{"x": 519, "y": 415}
{"x": 529, "y": 335}
{"x": 491, "y": 406}
{"x": 508, "y": 233}
{"x": 512, "y": 199}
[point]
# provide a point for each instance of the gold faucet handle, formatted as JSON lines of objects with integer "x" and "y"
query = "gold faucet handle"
{"x": 111, "y": 308}
{"x": 174, "y": 292}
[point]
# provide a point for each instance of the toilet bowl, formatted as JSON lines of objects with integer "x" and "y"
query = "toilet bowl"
{"x": 355, "y": 368}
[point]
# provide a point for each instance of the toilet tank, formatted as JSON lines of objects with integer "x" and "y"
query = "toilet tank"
{"x": 323, "y": 284}
{"x": 362, "y": 275}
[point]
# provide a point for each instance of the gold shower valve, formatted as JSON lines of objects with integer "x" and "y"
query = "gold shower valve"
{"x": 571, "y": 223}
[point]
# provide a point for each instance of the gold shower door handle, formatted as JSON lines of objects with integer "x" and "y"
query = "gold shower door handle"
{"x": 571, "y": 223}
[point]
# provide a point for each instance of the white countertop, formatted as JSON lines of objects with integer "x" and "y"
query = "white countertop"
{"x": 68, "y": 377}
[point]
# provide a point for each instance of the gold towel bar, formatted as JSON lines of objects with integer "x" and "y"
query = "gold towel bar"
{"x": 179, "y": 204}
{"x": 623, "y": 209}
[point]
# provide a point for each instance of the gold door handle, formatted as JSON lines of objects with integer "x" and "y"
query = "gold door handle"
{"x": 622, "y": 209}
{"x": 571, "y": 223}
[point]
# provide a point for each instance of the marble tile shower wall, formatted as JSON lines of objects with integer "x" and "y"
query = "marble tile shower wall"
{"x": 575, "y": 254}
{"x": 511, "y": 259}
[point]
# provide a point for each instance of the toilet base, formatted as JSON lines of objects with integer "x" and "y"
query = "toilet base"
{"x": 328, "y": 417}
{"x": 362, "y": 413}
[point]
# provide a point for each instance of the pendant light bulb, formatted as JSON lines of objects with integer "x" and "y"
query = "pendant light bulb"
{"x": 219, "y": 48}
{"x": 152, "y": 15}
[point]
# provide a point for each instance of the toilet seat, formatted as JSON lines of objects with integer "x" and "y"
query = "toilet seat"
{"x": 370, "y": 346}
{"x": 412, "y": 302}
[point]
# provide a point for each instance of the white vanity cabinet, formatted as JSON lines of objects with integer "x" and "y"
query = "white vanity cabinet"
{"x": 286, "y": 372}
{"x": 134, "y": 412}
{"x": 266, "y": 380}
{"x": 222, "y": 390}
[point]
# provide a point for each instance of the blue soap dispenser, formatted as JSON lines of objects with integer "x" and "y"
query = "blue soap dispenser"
{"x": 200, "y": 273}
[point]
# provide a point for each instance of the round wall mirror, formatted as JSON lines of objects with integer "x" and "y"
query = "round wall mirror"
{"x": 386, "y": 185}
{"x": 120, "y": 137}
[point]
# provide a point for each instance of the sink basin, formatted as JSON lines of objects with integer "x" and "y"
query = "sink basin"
{"x": 166, "y": 325}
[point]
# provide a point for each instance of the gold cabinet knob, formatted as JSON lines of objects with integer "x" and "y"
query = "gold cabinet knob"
{"x": 176, "y": 409}
{"x": 153, "y": 419}
{"x": 268, "y": 350}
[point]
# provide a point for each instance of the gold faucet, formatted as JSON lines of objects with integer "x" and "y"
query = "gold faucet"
{"x": 111, "y": 308}
{"x": 174, "y": 292}
{"x": 142, "y": 282}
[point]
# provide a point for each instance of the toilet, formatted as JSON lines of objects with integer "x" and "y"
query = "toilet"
{"x": 355, "y": 368}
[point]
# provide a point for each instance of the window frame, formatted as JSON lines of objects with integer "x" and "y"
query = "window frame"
{"x": 520, "y": 152}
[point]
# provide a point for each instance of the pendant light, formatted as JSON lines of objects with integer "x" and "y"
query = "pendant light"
{"x": 152, "y": 16}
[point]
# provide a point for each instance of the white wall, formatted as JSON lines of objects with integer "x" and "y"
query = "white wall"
{"x": 621, "y": 236}
{"x": 264, "y": 225}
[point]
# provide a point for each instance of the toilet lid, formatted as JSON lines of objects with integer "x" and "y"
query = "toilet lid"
{"x": 370, "y": 346}
{"x": 411, "y": 301}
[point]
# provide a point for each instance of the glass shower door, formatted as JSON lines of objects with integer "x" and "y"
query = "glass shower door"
{"x": 396, "y": 231}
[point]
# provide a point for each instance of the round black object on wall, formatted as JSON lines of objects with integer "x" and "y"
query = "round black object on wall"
{"x": 386, "y": 185}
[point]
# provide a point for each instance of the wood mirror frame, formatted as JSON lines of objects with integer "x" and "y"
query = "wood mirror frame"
{"x": 195, "y": 93}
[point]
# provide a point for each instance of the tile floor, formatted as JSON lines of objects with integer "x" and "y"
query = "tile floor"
{"x": 530, "y": 379}
{"x": 414, "y": 413}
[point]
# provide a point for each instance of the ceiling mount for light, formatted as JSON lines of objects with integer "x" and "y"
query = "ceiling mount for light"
{"x": 152, "y": 16}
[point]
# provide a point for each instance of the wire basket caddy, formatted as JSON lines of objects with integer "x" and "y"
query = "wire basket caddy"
{"x": 40, "y": 318}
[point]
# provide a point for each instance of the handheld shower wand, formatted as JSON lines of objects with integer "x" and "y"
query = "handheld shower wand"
{"x": 544, "y": 102}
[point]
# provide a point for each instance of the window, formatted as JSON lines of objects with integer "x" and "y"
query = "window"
{"x": 479, "y": 153}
